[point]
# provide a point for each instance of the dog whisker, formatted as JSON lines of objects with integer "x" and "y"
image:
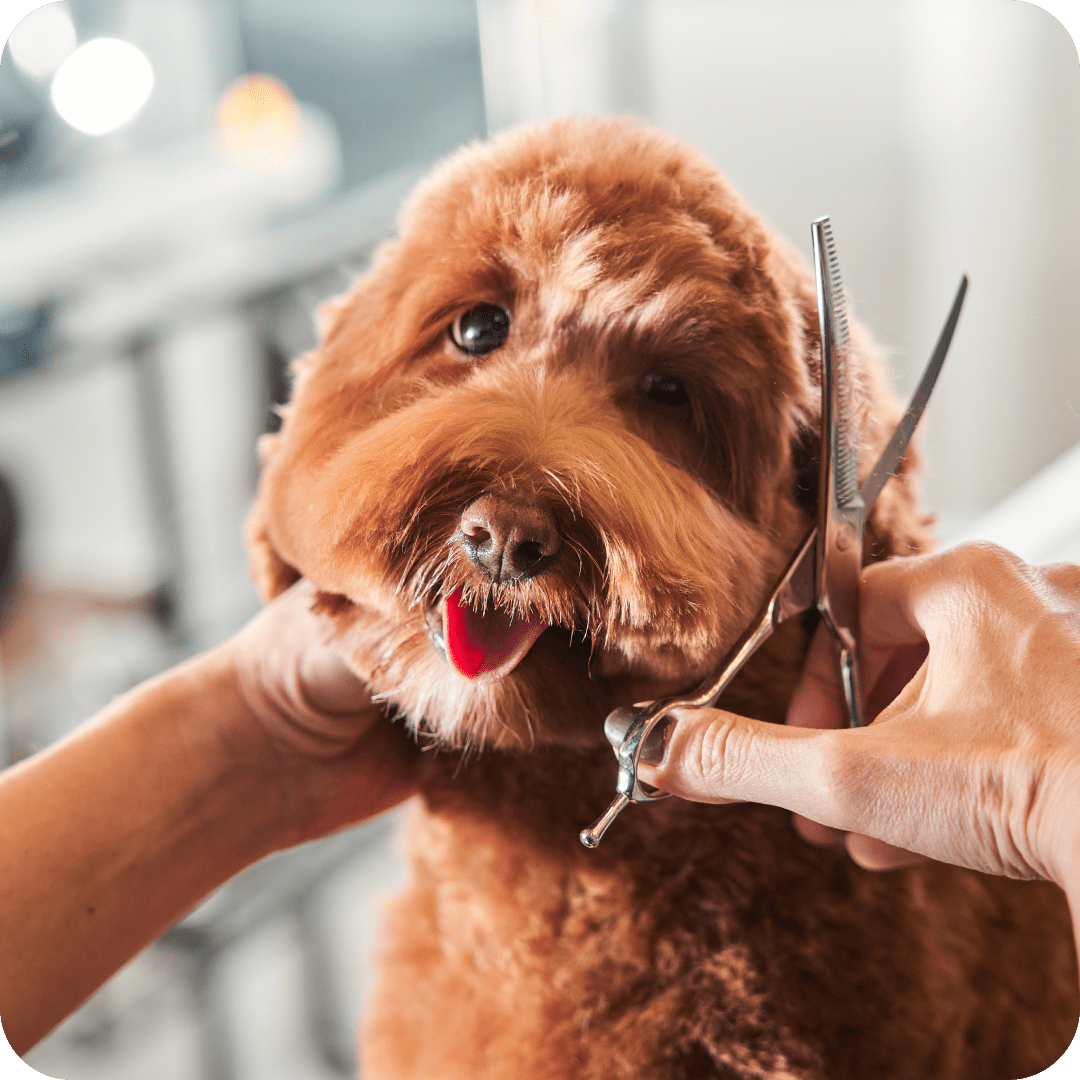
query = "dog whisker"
{"x": 582, "y": 549}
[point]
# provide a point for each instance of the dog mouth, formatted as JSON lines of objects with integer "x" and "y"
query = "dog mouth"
{"x": 486, "y": 644}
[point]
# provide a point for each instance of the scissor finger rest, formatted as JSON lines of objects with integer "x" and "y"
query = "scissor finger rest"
{"x": 640, "y": 734}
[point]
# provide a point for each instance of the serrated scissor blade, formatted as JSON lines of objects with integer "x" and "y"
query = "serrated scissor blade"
{"x": 841, "y": 511}
{"x": 840, "y": 455}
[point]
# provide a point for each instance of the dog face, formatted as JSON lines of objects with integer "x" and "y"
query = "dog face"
{"x": 545, "y": 459}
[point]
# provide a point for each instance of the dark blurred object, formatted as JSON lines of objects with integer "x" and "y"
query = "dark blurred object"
{"x": 9, "y": 535}
{"x": 23, "y": 343}
{"x": 15, "y": 142}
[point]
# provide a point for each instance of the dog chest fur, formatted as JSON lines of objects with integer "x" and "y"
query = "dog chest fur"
{"x": 703, "y": 940}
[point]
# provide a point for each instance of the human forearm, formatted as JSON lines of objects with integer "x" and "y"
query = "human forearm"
{"x": 110, "y": 836}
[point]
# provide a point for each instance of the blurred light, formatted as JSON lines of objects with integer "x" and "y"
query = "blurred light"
{"x": 42, "y": 41}
{"x": 102, "y": 85}
{"x": 258, "y": 123}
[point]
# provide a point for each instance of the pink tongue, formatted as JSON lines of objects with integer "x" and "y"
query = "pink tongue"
{"x": 477, "y": 643}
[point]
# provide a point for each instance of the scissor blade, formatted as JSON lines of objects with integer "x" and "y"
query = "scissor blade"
{"x": 840, "y": 457}
{"x": 890, "y": 458}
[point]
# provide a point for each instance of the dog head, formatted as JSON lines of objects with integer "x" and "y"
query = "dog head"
{"x": 547, "y": 456}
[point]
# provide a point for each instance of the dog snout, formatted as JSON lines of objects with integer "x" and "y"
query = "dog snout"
{"x": 509, "y": 538}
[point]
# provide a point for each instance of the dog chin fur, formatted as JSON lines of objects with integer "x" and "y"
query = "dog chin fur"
{"x": 622, "y": 256}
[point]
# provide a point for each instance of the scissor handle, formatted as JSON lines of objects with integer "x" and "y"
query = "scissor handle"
{"x": 641, "y": 734}
{"x": 640, "y": 724}
{"x": 637, "y": 732}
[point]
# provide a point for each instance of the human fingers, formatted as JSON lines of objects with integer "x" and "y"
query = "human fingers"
{"x": 813, "y": 832}
{"x": 820, "y": 683}
{"x": 928, "y": 597}
{"x": 904, "y": 605}
{"x": 933, "y": 611}
{"x": 818, "y": 700}
{"x": 312, "y": 723}
{"x": 914, "y": 787}
{"x": 873, "y": 854}
{"x": 865, "y": 851}
{"x": 880, "y": 781}
{"x": 1065, "y": 578}
{"x": 893, "y": 637}
{"x": 716, "y": 756}
{"x": 900, "y": 601}
{"x": 379, "y": 771}
{"x": 890, "y": 656}
{"x": 898, "y": 598}
{"x": 297, "y": 684}
{"x": 329, "y": 684}
{"x": 974, "y": 762}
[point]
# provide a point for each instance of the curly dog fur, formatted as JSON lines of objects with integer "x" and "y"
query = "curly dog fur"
{"x": 651, "y": 417}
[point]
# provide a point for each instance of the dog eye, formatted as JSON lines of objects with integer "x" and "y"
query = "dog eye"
{"x": 481, "y": 329}
{"x": 664, "y": 388}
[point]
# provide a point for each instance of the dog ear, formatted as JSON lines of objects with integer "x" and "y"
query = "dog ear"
{"x": 271, "y": 574}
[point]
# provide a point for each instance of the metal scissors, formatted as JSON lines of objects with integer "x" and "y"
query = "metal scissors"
{"x": 822, "y": 574}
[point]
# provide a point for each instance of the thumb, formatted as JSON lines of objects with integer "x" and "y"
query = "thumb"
{"x": 717, "y": 756}
{"x": 329, "y": 683}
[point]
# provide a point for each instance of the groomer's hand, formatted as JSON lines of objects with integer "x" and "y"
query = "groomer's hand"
{"x": 818, "y": 702}
{"x": 312, "y": 721}
{"x": 973, "y": 663}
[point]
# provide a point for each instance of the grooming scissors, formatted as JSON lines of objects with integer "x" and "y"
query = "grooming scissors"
{"x": 822, "y": 574}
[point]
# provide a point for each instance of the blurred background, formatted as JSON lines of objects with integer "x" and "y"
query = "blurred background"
{"x": 182, "y": 181}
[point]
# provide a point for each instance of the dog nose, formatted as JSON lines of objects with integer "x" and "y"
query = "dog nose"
{"x": 509, "y": 538}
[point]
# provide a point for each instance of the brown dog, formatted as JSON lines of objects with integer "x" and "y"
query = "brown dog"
{"x": 546, "y": 460}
